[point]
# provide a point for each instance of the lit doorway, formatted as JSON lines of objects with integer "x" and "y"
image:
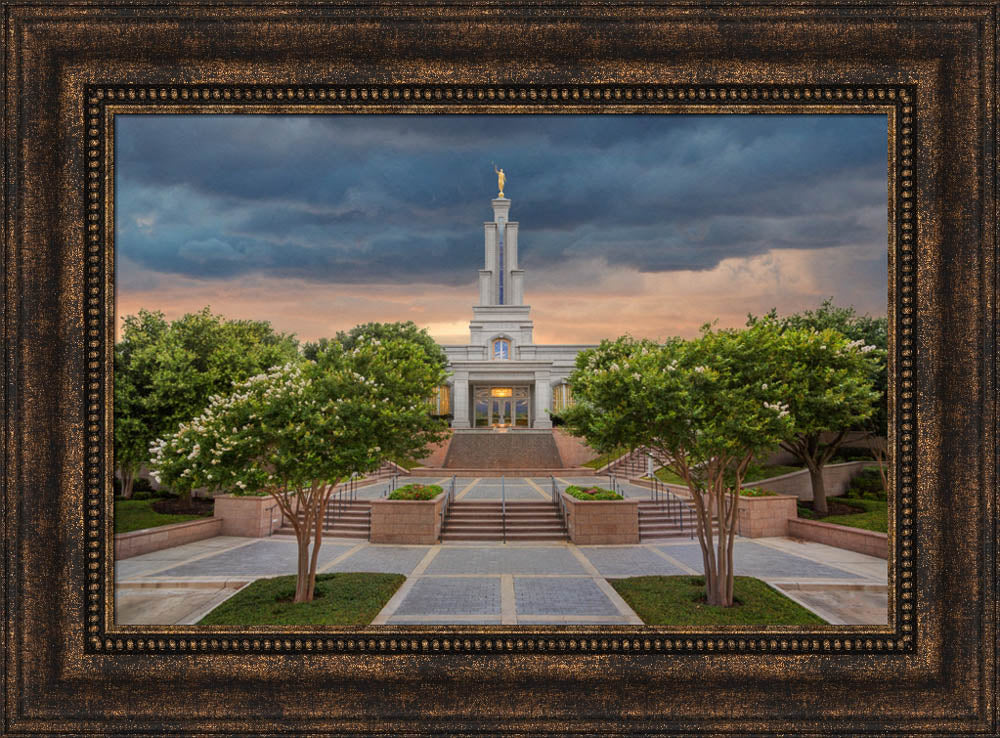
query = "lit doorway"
{"x": 502, "y": 408}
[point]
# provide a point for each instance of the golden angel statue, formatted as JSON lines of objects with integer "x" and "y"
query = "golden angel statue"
{"x": 501, "y": 179}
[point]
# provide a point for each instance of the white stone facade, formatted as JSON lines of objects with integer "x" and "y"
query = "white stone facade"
{"x": 500, "y": 355}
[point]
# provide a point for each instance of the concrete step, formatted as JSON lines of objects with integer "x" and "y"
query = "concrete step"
{"x": 513, "y": 450}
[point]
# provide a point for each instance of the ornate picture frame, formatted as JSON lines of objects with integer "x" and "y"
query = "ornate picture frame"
{"x": 69, "y": 69}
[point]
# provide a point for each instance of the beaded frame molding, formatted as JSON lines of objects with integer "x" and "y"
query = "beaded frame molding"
{"x": 70, "y": 66}
{"x": 103, "y": 103}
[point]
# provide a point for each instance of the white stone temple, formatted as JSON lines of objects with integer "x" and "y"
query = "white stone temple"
{"x": 501, "y": 379}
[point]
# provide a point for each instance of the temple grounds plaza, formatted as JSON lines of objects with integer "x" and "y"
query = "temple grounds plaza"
{"x": 490, "y": 582}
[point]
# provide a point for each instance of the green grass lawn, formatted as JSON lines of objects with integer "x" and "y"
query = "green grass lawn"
{"x": 871, "y": 515}
{"x": 344, "y": 598}
{"x": 139, "y": 514}
{"x": 605, "y": 458}
{"x": 665, "y": 475}
{"x": 660, "y": 600}
{"x": 756, "y": 473}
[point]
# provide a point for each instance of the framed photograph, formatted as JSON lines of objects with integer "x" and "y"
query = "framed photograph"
{"x": 565, "y": 369}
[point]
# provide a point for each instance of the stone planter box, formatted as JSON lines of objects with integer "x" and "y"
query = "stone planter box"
{"x": 762, "y": 517}
{"x": 591, "y": 522}
{"x": 144, "y": 541}
{"x": 407, "y": 521}
{"x": 862, "y": 541}
{"x": 248, "y": 516}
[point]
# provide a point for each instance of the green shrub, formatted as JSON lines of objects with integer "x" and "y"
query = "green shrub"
{"x": 592, "y": 493}
{"x": 867, "y": 483}
{"x": 756, "y": 492}
{"x": 414, "y": 491}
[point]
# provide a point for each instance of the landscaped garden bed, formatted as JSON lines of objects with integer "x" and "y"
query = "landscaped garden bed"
{"x": 416, "y": 491}
{"x": 344, "y": 598}
{"x": 680, "y": 600}
{"x": 592, "y": 493}
{"x": 153, "y": 512}
{"x": 863, "y": 506}
{"x": 410, "y": 515}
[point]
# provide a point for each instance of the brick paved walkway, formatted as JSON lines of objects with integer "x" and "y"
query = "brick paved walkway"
{"x": 493, "y": 583}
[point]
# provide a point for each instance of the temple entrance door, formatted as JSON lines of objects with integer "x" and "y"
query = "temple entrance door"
{"x": 502, "y": 412}
{"x": 501, "y": 408}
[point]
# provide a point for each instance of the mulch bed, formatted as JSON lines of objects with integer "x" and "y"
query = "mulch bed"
{"x": 179, "y": 506}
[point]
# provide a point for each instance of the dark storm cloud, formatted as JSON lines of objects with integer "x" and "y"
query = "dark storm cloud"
{"x": 363, "y": 199}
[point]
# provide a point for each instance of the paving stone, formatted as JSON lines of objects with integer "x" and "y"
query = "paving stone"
{"x": 572, "y": 620}
{"x": 498, "y": 560}
{"x": 754, "y": 560}
{"x": 511, "y": 492}
{"x": 452, "y": 596}
{"x": 559, "y": 596}
{"x": 477, "y": 620}
{"x": 628, "y": 562}
{"x": 265, "y": 558}
{"x": 390, "y": 559}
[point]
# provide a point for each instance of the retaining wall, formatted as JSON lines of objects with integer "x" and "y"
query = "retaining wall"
{"x": 852, "y": 539}
{"x": 836, "y": 476}
{"x": 572, "y": 450}
{"x": 247, "y": 516}
{"x": 148, "y": 540}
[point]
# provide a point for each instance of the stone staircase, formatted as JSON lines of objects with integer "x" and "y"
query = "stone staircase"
{"x": 482, "y": 520}
{"x": 662, "y": 521}
{"x": 349, "y": 519}
{"x": 515, "y": 449}
{"x": 632, "y": 465}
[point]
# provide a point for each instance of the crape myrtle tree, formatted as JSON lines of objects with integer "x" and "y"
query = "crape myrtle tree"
{"x": 298, "y": 430}
{"x": 165, "y": 373}
{"x": 840, "y": 385}
{"x": 414, "y": 349}
{"x": 703, "y": 408}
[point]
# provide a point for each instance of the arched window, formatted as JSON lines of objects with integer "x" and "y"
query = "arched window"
{"x": 501, "y": 348}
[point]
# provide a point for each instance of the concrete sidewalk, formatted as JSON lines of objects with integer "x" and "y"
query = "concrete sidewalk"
{"x": 497, "y": 583}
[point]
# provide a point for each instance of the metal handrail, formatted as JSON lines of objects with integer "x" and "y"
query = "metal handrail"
{"x": 557, "y": 499}
{"x": 503, "y": 507}
{"x": 447, "y": 501}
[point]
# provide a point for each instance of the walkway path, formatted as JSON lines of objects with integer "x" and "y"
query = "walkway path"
{"x": 497, "y": 583}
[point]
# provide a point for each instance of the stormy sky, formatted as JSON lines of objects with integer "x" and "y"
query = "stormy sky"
{"x": 647, "y": 224}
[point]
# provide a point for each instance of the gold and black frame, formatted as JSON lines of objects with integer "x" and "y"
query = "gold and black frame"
{"x": 71, "y": 68}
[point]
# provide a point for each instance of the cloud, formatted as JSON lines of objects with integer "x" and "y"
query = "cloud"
{"x": 336, "y": 217}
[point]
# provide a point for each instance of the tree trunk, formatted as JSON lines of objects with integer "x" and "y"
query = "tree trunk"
{"x": 819, "y": 490}
{"x": 302, "y": 593}
{"x": 879, "y": 454}
{"x": 128, "y": 480}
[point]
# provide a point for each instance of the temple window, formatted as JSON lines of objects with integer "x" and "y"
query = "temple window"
{"x": 562, "y": 397}
{"x": 501, "y": 348}
{"x": 441, "y": 400}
